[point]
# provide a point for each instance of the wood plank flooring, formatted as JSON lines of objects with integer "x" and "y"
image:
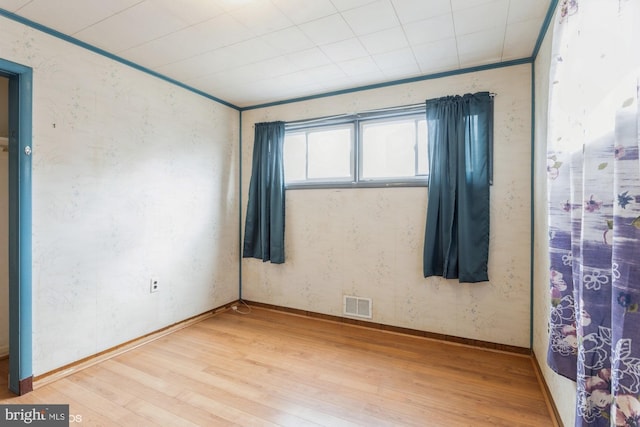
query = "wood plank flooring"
{"x": 276, "y": 369}
{"x": 4, "y": 379}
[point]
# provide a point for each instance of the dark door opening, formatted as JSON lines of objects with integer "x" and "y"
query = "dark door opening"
{"x": 19, "y": 213}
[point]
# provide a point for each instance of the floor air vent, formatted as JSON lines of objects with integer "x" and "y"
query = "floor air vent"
{"x": 356, "y": 306}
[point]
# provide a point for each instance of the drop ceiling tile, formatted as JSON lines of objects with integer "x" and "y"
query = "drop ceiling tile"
{"x": 489, "y": 42}
{"x": 487, "y": 16}
{"x": 484, "y": 47}
{"x": 192, "y": 12}
{"x": 309, "y": 58}
{"x": 70, "y": 16}
{"x": 384, "y": 41}
{"x": 520, "y": 39}
{"x": 256, "y": 71}
{"x": 396, "y": 58}
{"x": 233, "y": 77}
{"x": 343, "y": 5}
{"x": 222, "y": 59}
{"x": 342, "y": 83}
{"x": 13, "y": 5}
{"x": 195, "y": 67}
{"x": 434, "y": 51}
{"x": 270, "y": 91}
{"x": 402, "y": 72}
{"x": 289, "y": 40}
{"x": 475, "y": 59}
{"x": 360, "y": 66}
{"x": 429, "y": 30}
{"x": 344, "y": 50}
{"x": 261, "y": 17}
{"x": 466, "y": 4}
{"x": 295, "y": 79}
{"x": 443, "y": 64}
{"x": 272, "y": 67}
{"x": 416, "y": 10}
{"x": 215, "y": 81}
{"x": 525, "y": 10}
{"x": 223, "y": 30}
{"x": 231, "y": 5}
{"x": 437, "y": 56}
{"x": 326, "y": 30}
{"x": 312, "y": 9}
{"x": 360, "y": 80}
{"x": 220, "y": 31}
{"x": 248, "y": 52}
{"x": 373, "y": 17}
{"x": 165, "y": 50}
{"x": 326, "y": 72}
{"x": 131, "y": 27}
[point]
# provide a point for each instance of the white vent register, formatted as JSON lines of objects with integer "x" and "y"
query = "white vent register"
{"x": 358, "y": 307}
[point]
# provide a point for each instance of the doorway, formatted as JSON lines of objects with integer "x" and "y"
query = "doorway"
{"x": 19, "y": 130}
{"x": 4, "y": 229}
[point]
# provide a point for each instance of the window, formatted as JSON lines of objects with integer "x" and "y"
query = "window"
{"x": 394, "y": 149}
{"x": 321, "y": 154}
{"x": 365, "y": 150}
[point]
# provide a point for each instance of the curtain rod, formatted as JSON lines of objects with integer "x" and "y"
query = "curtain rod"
{"x": 351, "y": 115}
{"x": 346, "y": 116}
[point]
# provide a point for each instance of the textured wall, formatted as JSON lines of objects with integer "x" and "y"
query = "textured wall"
{"x": 368, "y": 242}
{"x": 132, "y": 178}
{"x": 562, "y": 390}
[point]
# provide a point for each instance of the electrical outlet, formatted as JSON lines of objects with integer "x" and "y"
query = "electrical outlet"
{"x": 154, "y": 285}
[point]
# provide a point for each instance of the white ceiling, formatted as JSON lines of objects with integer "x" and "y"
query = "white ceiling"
{"x": 249, "y": 52}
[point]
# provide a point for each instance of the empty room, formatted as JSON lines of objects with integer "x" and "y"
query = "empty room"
{"x": 319, "y": 213}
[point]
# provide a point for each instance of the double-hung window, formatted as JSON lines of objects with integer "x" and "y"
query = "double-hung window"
{"x": 375, "y": 149}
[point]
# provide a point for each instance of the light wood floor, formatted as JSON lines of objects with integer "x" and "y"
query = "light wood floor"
{"x": 4, "y": 383}
{"x": 269, "y": 368}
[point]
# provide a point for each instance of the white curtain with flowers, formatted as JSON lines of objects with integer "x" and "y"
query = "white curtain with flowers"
{"x": 594, "y": 207}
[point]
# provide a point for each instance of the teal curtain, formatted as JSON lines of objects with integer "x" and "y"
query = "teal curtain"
{"x": 264, "y": 224}
{"x": 460, "y": 133}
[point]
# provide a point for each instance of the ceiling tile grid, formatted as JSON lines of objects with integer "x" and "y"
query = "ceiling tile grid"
{"x": 249, "y": 52}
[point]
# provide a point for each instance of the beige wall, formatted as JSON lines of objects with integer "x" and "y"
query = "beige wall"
{"x": 132, "y": 178}
{"x": 368, "y": 242}
{"x": 562, "y": 390}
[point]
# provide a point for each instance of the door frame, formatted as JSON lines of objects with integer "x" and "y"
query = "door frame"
{"x": 20, "y": 267}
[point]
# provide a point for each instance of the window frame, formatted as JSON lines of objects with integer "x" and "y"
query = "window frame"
{"x": 315, "y": 181}
{"x": 403, "y": 180}
{"x": 357, "y": 121}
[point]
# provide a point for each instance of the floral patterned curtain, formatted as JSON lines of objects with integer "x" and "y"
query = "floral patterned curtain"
{"x": 594, "y": 207}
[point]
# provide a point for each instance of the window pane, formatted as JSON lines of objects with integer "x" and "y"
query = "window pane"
{"x": 295, "y": 156}
{"x": 423, "y": 154}
{"x": 388, "y": 149}
{"x": 330, "y": 153}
